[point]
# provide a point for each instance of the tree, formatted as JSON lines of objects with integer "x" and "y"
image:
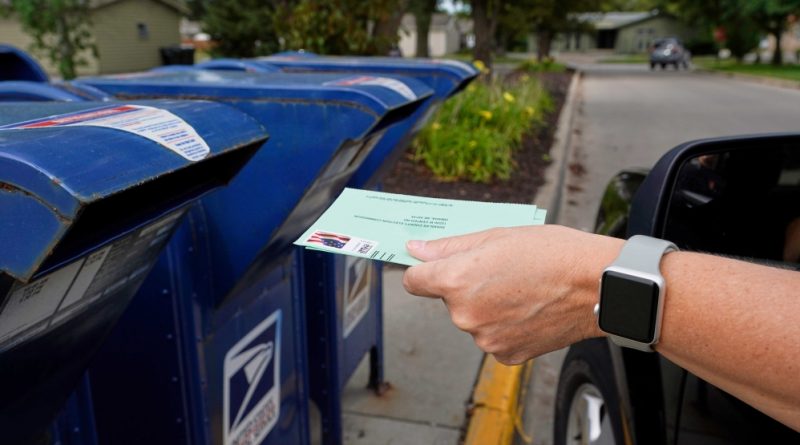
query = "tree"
{"x": 550, "y": 17}
{"x": 484, "y": 22}
{"x": 772, "y": 16}
{"x": 241, "y": 28}
{"x": 423, "y": 13}
{"x": 60, "y": 30}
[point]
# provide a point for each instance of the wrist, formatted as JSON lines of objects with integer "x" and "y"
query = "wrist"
{"x": 600, "y": 252}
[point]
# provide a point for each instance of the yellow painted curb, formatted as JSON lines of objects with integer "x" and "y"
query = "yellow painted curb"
{"x": 495, "y": 403}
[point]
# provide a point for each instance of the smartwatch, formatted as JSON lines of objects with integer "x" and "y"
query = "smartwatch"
{"x": 632, "y": 294}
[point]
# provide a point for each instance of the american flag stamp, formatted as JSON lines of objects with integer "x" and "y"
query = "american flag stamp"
{"x": 337, "y": 241}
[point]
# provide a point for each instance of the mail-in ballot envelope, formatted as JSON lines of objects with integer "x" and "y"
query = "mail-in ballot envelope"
{"x": 377, "y": 225}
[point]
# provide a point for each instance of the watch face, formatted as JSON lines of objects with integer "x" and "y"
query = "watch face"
{"x": 628, "y": 306}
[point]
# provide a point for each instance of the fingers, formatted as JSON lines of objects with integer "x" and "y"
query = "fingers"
{"x": 423, "y": 280}
{"x": 445, "y": 247}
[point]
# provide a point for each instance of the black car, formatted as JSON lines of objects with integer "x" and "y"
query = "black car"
{"x": 731, "y": 196}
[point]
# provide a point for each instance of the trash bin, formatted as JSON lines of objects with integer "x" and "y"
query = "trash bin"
{"x": 224, "y": 298}
{"x": 352, "y": 287}
{"x": 91, "y": 193}
{"x": 177, "y": 55}
{"x": 16, "y": 64}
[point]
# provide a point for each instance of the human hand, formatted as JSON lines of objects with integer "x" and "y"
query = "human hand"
{"x": 520, "y": 292}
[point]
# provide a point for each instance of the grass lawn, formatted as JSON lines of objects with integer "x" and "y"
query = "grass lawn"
{"x": 627, "y": 58}
{"x": 788, "y": 72}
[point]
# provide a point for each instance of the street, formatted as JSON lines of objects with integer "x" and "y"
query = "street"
{"x": 627, "y": 116}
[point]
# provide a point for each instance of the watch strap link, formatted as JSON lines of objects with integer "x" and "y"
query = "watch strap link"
{"x": 644, "y": 254}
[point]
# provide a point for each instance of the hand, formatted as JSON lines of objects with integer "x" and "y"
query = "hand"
{"x": 520, "y": 292}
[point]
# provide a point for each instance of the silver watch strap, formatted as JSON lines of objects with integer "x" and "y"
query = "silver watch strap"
{"x": 644, "y": 254}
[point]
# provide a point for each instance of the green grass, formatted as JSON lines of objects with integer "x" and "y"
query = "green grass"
{"x": 787, "y": 72}
{"x": 545, "y": 66}
{"x": 627, "y": 58}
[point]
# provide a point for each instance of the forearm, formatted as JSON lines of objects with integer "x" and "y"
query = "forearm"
{"x": 735, "y": 325}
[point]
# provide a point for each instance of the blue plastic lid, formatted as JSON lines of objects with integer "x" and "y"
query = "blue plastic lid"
{"x": 380, "y": 94}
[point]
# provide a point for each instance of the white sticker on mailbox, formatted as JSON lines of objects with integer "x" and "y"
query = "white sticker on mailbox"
{"x": 155, "y": 124}
{"x": 251, "y": 387}
{"x": 386, "y": 82}
{"x": 357, "y": 276}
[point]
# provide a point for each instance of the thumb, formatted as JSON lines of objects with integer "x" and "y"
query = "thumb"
{"x": 444, "y": 247}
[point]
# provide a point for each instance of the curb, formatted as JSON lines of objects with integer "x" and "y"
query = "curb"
{"x": 552, "y": 190}
{"x": 495, "y": 399}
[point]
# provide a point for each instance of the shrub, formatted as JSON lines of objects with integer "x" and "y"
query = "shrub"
{"x": 474, "y": 134}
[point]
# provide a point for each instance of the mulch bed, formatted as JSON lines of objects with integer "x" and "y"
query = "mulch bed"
{"x": 532, "y": 159}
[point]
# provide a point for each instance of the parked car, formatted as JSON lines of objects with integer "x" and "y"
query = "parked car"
{"x": 731, "y": 196}
{"x": 669, "y": 51}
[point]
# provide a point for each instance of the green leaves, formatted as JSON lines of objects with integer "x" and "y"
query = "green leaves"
{"x": 60, "y": 30}
{"x": 474, "y": 135}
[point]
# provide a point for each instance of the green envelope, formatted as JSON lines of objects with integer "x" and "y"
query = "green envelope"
{"x": 377, "y": 225}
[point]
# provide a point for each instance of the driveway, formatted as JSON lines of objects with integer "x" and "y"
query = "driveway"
{"x": 628, "y": 116}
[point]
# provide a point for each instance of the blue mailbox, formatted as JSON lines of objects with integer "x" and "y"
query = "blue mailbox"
{"x": 230, "y": 331}
{"x": 346, "y": 323}
{"x": 16, "y": 64}
{"x": 90, "y": 194}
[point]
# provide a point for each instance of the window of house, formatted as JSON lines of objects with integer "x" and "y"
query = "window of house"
{"x": 142, "y": 31}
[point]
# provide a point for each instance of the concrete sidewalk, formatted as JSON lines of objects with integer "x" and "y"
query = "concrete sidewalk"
{"x": 432, "y": 367}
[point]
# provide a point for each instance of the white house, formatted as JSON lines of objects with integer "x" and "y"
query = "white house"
{"x": 445, "y": 36}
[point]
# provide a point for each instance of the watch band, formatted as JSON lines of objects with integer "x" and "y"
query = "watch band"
{"x": 643, "y": 254}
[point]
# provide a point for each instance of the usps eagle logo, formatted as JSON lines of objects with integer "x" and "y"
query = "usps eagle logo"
{"x": 251, "y": 389}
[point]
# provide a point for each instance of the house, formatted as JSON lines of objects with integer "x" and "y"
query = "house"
{"x": 623, "y": 32}
{"x": 128, "y": 34}
{"x": 447, "y": 35}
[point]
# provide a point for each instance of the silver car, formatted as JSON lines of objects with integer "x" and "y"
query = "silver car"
{"x": 669, "y": 51}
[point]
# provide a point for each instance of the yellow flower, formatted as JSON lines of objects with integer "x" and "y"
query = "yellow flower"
{"x": 529, "y": 110}
{"x": 471, "y": 88}
{"x": 437, "y": 125}
{"x": 473, "y": 143}
{"x": 508, "y": 97}
{"x": 480, "y": 66}
{"x": 486, "y": 114}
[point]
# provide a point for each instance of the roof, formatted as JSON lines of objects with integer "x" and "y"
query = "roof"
{"x": 177, "y": 5}
{"x": 614, "y": 20}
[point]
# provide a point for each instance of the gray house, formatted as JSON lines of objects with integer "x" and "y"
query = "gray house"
{"x": 623, "y": 32}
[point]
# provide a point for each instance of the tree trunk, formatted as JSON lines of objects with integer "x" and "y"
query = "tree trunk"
{"x": 423, "y": 21}
{"x": 386, "y": 31}
{"x": 777, "y": 54}
{"x": 544, "y": 41}
{"x": 483, "y": 31}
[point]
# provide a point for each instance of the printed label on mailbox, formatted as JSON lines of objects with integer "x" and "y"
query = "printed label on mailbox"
{"x": 357, "y": 277}
{"x": 386, "y": 82}
{"x": 56, "y": 297}
{"x": 251, "y": 390}
{"x": 155, "y": 124}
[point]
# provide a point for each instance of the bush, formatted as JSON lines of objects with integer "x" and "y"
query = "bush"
{"x": 547, "y": 65}
{"x": 474, "y": 134}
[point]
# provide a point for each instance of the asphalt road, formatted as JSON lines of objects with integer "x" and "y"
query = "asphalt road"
{"x": 628, "y": 116}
